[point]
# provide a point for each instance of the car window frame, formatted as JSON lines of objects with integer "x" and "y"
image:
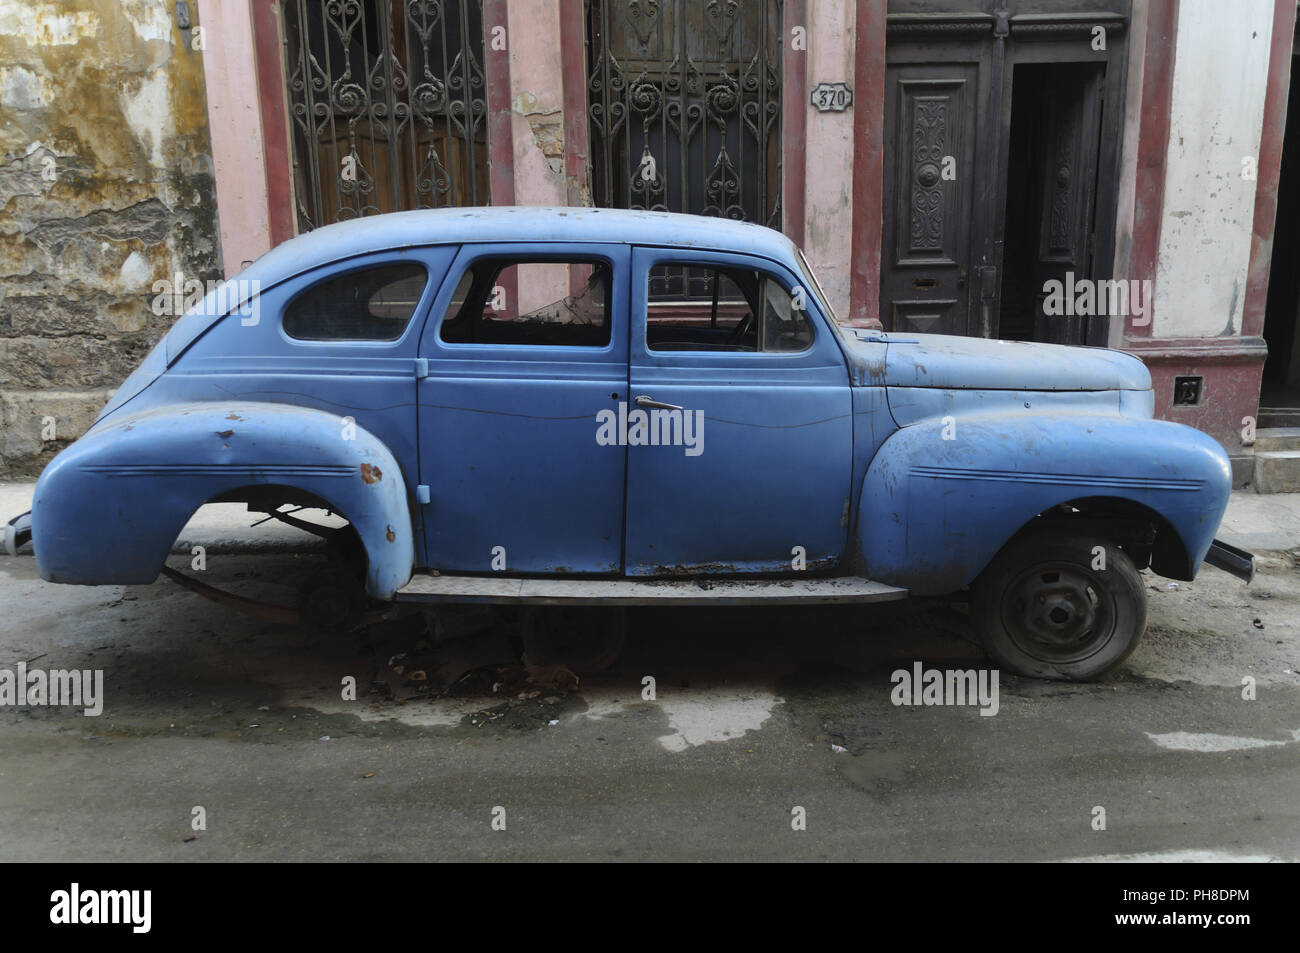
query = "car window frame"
{"x": 615, "y": 255}
{"x": 307, "y": 282}
{"x": 824, "y": 349}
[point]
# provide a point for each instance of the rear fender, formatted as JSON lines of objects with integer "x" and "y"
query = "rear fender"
{"x": 108, "y": 508}
{"x": 942, "y": 496}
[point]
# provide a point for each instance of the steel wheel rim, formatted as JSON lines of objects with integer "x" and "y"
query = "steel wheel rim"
{"x": 1059, "y": 613}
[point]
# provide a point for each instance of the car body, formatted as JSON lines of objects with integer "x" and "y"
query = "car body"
{"x": 362, "y": 368}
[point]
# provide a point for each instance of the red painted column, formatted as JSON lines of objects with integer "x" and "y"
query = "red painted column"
{"x": 501, "y": 145}
{"x": 573, "y": 32}
{"x": 573, "y": 39}
{"x": 794, "y": 121}
{"x": 496, "y": 66}
{"x": 868, "y": 164}
{"x": 1153, "y": 145}
{"x": 275, "y": 121}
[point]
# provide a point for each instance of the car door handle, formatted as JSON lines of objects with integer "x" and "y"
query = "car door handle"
{"x": 644, "y": 401}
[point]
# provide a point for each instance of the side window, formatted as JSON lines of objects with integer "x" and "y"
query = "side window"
{"x": 546, "y": 303}
{"x": 722, "y": 309}
{"x": 374, "y": 304}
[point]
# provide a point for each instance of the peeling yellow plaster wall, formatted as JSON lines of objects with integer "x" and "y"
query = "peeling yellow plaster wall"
{"x": 105, "y": 186}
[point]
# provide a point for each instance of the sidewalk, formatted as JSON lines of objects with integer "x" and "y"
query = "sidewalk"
{"x": 1258, "y": 524}
{"x": 1261, "y": 524}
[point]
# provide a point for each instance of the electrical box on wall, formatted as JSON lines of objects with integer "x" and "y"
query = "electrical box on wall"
{"x": 1187, "y": 391}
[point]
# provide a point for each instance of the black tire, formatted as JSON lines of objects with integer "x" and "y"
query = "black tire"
{"x": 585, "y": 639}
{"x": 1043, "y": 611}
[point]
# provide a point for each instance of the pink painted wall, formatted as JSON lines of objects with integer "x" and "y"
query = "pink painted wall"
{"x": 234, "y": 117}
{"x": 537, "y": 124}
{"x": 828, "y": 182}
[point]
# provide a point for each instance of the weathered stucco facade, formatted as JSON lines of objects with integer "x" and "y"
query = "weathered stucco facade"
{"x": 106, "y": 186}
{"x": 109, "y": 181}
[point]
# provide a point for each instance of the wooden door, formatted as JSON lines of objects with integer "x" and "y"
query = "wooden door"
{"x": 956, "y": 72}
{"x": 930, "y": 172}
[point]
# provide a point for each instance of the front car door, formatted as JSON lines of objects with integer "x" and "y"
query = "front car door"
{"x": 739, "y": 429}
{"x": 526, "y": 345}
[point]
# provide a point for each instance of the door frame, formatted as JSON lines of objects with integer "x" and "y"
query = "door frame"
{"x": 459, "y": 358}
{"x": 1031, "y": 33}
{"x": 823, "y": 364}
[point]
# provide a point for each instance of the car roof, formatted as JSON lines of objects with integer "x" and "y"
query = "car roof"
{"x": 376, "y": 233}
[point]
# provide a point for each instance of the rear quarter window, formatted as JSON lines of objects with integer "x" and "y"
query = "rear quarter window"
{"x": 370, "y": 304}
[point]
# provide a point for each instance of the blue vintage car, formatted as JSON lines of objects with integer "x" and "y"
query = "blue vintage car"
{"x": 596, "y": 407}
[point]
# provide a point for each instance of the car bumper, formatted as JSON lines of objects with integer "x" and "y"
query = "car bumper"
{"x": 1230, "y": 559}
{"x": 18, "y": 533}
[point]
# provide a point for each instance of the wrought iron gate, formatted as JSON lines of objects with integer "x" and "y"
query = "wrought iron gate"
{"x": 685, "y": 106}
{"x": 387, "y": 106}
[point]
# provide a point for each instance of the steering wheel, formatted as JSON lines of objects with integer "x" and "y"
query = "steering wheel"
{"x": 745, "y": 325}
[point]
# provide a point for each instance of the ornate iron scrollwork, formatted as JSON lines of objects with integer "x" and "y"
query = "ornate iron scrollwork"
{"x": 685, "y": 106}
{"x": 387, "y": 105}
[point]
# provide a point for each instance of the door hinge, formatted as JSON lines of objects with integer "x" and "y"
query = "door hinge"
{"x": 421, "y": 368}
{"x": 422, "y": 494}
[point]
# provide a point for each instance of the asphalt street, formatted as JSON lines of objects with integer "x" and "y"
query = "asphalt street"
{"x": 771, "y": 735}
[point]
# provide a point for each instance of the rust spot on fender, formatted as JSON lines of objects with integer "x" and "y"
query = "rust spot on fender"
{"x": 390, "y": 535}
{"x": 371, "y": 473}
{"x": 223, "y": 434}
{"x": 233, "y": 416}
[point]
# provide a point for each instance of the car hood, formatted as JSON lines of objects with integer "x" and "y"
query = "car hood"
{"x": 949, "y": 362}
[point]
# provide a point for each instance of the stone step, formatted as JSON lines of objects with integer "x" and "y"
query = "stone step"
{"x": 1277, "y": 438}
{"x": 1273, "y": 417}
{"x": 1277, "y": 471}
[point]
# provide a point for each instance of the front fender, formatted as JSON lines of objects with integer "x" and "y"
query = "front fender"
{"x": 942, "y": 496}
{"x": 108, "y": 508}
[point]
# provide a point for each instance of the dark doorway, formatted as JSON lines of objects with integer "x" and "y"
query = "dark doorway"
{"x": 1282, "y": 311}
{"x": 1003, "y": 120}
{"x": 1051, "y": 190}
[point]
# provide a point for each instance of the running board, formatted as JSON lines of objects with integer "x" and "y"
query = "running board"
{"x": 425, "y": 587}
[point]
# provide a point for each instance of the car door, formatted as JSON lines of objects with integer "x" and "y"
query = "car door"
{"x": 526, "y": 345}
{"x": 742, "y": 462}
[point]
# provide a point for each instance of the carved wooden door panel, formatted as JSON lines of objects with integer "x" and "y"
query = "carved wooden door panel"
{"x": 934, "y": 172}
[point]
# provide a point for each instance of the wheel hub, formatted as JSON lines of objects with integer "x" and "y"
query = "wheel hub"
{"x": 1058, "y": 612}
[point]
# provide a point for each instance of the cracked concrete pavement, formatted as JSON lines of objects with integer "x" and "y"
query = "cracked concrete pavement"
{"x": 757, "y": 713}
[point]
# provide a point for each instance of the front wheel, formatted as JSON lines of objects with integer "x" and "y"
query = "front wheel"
{"x": 1059, "y": 605}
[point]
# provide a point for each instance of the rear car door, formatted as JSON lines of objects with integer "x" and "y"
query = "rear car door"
{"x": 525, "y": 345}
{"x": 742, "y": 462}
